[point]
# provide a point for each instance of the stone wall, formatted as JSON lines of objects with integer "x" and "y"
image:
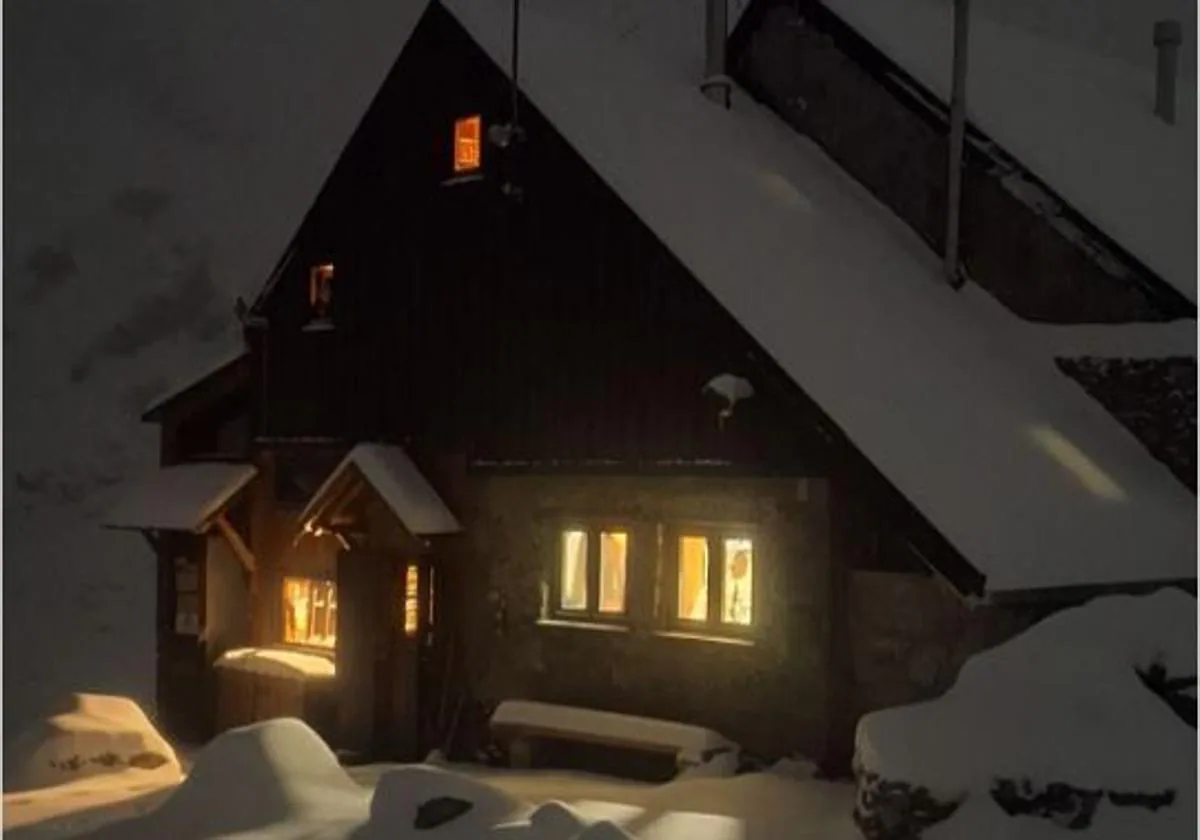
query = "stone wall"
{"x": 911, "y": 635}
{"x": 768, "y": 695}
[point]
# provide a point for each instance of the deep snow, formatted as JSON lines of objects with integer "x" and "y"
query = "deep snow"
{"x": 278, "y": 781}
{"x": 1060, "y": 703}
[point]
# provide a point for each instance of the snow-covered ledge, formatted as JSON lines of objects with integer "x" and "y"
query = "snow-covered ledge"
{"x": 281, "y": 663}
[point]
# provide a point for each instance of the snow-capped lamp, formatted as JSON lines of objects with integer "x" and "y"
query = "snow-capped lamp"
{"x": 733, "y": 389}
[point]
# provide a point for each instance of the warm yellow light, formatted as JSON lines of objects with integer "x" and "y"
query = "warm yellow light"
{"x": 412, "y": 602}
{"x": 573, "y": 574}
{"x": 309, "y": 612}
{"x": 468, "y": 144}
{"x": 1073, "y": 459}
{"x": 320, "y": 285}
{"x": 614, "y": 549}
{"x": 737, "y": 585}
{"x": 693, "y": 579}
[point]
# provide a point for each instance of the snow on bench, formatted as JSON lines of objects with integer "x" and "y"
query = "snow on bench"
{"x": 524, "y": 719}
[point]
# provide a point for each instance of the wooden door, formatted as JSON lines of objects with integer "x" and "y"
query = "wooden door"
{"x": 183, "y": 685}
{"x": 416, "y": 661}
{"x": 360, "y": 647}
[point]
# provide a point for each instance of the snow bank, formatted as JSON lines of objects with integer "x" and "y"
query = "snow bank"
{"x": 981, "y": 819}
{"x": 403, "y": 796}
{"x": 1060, "y": 702}
{"x": 92, "y": 735}
{"x": 1056, "y": 721}
{"x": 276, "y": 777}
{"x": 274, "y": 662}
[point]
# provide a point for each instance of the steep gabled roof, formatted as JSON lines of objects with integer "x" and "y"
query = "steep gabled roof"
{"x": 1027, "y": 478}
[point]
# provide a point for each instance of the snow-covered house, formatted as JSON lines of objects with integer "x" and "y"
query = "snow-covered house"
{"x": 646, "y": 406}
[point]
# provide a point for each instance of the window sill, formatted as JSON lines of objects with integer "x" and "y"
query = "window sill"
{"x": 689, "y": 635}
{"x": 571, "y": 624}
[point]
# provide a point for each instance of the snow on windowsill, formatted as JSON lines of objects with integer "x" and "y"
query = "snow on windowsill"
{"x": 692, "y": 635}
{"x": 574, "y": 624}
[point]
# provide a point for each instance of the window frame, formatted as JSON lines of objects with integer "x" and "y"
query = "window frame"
{"x": 591, "y": 613}
{"x": 715, "y": 534}
{"x": 283, "y": 604}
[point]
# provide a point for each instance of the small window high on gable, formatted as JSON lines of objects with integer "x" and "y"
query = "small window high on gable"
{"x": 468, "y": 144}
{"x": 320, "y": 294}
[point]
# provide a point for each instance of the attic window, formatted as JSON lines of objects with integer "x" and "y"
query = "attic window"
{"x": 468, "y": 144}
{"x": 320, "y": 290}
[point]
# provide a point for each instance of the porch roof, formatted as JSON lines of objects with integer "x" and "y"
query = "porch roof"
{"x": 399, "y": 483}
{"x": 186, "y": 497}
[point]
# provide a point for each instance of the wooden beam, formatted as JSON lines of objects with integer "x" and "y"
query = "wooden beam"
{"x": 239, "y": 546}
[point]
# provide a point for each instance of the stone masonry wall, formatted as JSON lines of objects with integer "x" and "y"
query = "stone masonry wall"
{"x": 769, "y": 696}
{"x": 911, "y": 635}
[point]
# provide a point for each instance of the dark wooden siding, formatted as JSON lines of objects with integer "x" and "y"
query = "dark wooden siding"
{"x": 558, "y": 328}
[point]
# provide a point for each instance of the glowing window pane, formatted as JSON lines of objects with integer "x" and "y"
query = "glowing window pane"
{"x": 573, "y": 571}
{"x": 309, "y": 612}
{"x": 693, "y": 578}
{"x": 614, "y": 547}
{"x": 468, "y": 144}
{"x": 737, "y": 585}
{"x": 412, "y": 601}
{"x": 320, "y": 287}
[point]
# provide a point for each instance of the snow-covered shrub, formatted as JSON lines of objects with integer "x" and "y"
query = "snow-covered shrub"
{"x": 1055, "y": 723}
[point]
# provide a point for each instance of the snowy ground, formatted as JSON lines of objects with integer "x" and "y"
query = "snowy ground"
{"x": 751, "y": 807}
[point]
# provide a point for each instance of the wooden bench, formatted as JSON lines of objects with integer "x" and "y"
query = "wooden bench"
{"x": 517, "y": 723}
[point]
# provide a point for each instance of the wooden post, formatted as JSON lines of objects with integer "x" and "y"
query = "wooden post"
{"x": 958, "y": 127}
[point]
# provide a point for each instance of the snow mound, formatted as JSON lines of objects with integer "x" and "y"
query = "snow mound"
{"x": 276, "y": 777}
{"x": 1061, "y": 702}
{"x": 406, "y": 795}
{"x": 90, "y": 735}
{"x": 981, "y": 819}
{"x": 1065, "y": 723}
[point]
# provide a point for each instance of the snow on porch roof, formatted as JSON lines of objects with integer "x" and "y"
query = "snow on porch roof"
{"x": 1030, "y": 480}
{"x": 179, "y": 498}
{"x": 396, "y": 479}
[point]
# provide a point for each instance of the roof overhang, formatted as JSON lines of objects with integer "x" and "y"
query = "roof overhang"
{"x": 218, "y": 376}
{"x": 187, "y": 498}
{"x": 394, "y": 478}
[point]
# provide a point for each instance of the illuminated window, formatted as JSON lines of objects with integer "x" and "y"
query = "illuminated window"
{"x": 573, "y": 571}
{"x": 614, "y": 548}
{"x": 309, "y": 612}
{"x": 468, "y": 144}
{"x": 412, "y": 600}
{"x": 715, "y": 580}
{"x": 693, "y": 578}
{"x": 320, "y": 289}
{"x": 737, "y": 582}
{"x": 592, "y": 572}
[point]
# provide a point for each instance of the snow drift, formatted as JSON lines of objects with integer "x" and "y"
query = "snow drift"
{"x": 90, "y": 735}
{"x": 1062, "y": 707}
